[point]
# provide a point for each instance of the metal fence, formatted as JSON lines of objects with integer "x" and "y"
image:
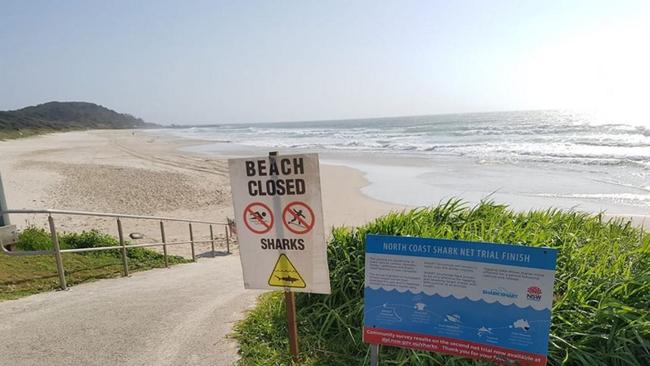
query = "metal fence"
{"x": 123, "y": 247}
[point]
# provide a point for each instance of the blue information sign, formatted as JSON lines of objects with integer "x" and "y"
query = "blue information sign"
{"x": 476, "y": 300}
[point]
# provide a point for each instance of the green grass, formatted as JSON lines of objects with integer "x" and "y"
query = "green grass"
{"x": 601, "y": 312}
{"x": 23, "y": 276}
{"x": 10, "y": 134}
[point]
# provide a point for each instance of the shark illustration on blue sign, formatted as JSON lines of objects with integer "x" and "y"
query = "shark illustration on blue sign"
{"x": 475, "y": 300}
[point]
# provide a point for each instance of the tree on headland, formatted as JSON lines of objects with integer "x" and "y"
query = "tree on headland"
{"x": 55, "y": 116}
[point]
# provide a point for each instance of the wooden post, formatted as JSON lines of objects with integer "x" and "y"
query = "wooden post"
{"x": 290, "y": 300}
{"x": 289, "y": 297}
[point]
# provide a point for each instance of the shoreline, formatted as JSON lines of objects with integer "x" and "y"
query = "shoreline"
{"x": 103, "y": 170}
{"x": 416, "y": 181}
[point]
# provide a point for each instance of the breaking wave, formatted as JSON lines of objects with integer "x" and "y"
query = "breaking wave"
{"x": 511, "y": 137}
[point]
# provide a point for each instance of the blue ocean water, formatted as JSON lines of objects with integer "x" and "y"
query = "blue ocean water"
{"x": 598, "y": 164}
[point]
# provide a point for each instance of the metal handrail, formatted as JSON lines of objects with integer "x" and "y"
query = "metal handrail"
{"x": 105, "y": 214}
{"x": 123, "y": 246}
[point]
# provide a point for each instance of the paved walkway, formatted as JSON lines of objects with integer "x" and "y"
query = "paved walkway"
{"x": 176, "y": 316}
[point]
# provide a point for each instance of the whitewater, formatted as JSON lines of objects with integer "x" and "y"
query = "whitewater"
{"x": 528, "y": 159}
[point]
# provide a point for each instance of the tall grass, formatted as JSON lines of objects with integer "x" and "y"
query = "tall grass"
{"x": 601, "y": 312}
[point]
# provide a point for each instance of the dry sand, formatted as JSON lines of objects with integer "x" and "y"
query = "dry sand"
{"x": 133, "y": 172}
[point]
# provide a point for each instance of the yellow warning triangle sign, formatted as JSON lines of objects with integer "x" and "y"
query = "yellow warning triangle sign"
{"x": 285, "y": 274}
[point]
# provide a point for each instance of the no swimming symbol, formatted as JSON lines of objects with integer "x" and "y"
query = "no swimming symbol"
{"x": 258, "y": 218}
{"x": 298, "y": 217}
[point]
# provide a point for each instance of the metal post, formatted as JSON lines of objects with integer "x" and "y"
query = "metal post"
{"x": 212, "y": 240}
{"x": 290, "y": 301}
{"x": 374, "y": 355}
{"x": 164, "y": 240}
{"x": 192, "y": 243}
{"x": 125, "y": 259}
{"x": 57, "y": 254}
{"x": 227, "y": 240}
{"x": 4, "y": 218}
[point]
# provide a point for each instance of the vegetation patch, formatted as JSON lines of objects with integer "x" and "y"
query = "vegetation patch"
{"x": 601, "y": 312}
{"x": 63, "y": 116}
{"x": 22, "y": 276}
{"x": 10, "y": 134}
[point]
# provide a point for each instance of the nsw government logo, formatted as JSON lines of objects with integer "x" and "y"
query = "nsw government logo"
{"x": 501, "y": 292}
{"x": 534, "y": 293}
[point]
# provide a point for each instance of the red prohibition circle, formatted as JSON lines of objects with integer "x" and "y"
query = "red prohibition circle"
{"x": 251, "y": 214}
{"x": 308, "y": 226}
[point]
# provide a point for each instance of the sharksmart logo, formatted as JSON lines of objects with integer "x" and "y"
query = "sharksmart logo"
{"x": 534, "y": 293}
{"x": 501, "y": 292}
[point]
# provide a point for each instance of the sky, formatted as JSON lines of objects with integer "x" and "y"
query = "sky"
{"x": 196, "y": 62}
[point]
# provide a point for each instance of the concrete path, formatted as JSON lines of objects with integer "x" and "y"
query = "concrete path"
{"x": 177, "y": 316}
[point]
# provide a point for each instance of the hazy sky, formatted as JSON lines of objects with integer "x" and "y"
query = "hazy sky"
{"x": 256, "y": 61}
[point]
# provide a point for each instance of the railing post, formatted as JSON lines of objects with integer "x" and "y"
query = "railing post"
{"x": 125, "y": 260}
{"x": 227, "y": 239}
{"x": 57, "y": 254}
{"x": 212, "y": 240}
{"x": 4, "y": 218}
{"x": 192, "y": 243}
{"x": 164, "y": 240}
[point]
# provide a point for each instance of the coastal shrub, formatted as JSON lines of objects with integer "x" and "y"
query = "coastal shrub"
{"x": 601, "y": 311}
{"x": 88, "y": 239}
{"x": 33, "y": 238}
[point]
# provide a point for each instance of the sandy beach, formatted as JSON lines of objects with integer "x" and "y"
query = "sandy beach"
{"x": 143, "y": 173}
{"x": 135, "y": 172}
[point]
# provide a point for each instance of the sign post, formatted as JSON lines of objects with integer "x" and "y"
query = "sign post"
{"x": 374, "y": 355}
{"x": 474, "y": 300}
{"x": 290, "y": 302}
{"x": 279, "y": 216}
{"x": 4, "y": 218}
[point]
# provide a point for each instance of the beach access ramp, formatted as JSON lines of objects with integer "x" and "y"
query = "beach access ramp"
{"x": 176, "y": 316}
{"x": 180, "y": 315}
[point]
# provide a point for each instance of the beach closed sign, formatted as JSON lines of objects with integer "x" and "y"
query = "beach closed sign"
{"x": 279, "y": 216}
{"x": 475, "y": 300}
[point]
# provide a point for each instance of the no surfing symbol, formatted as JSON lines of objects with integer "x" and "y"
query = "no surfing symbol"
{"x": 258, "y": 218}
{"x": 298, "y": 217}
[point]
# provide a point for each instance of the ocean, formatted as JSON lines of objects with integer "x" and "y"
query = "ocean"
{"x": 528, "y": 159}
